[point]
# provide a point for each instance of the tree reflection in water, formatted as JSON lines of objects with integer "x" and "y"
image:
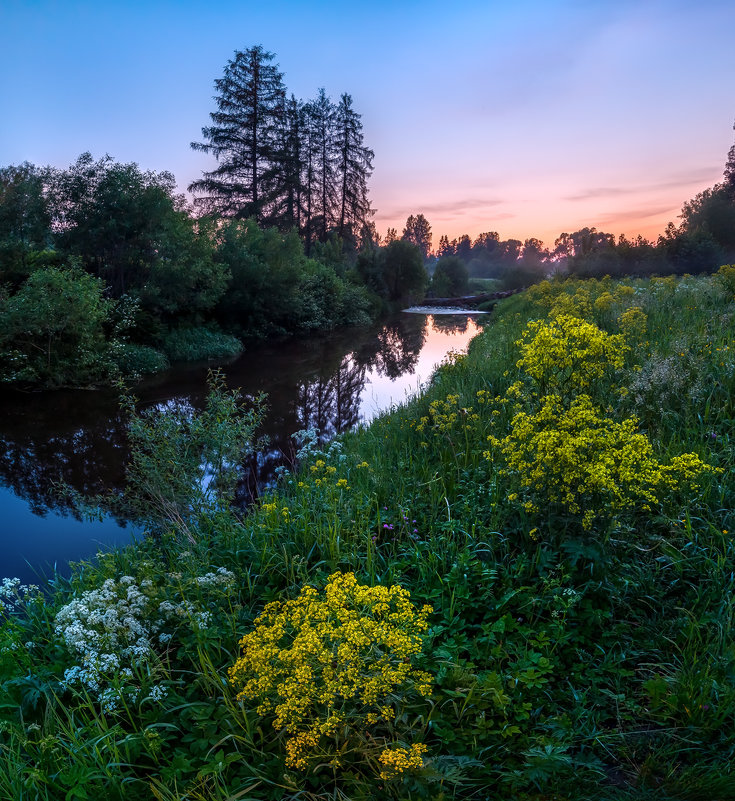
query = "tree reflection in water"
{"x": 451, "y": 323}
{"x": 72, "y": 438}
{"x": 79, "y": 438}
{"x": 330, "y": 397}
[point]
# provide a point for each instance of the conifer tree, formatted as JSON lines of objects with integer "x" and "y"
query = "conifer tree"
{"x": 243, "y": 137}
{"x": 354, "y": 167}
{"x": 418, "y": 231}
{"x": 324, "y": 197}
{"x": 291, "y": 162}
{"x": 444, "y": 249}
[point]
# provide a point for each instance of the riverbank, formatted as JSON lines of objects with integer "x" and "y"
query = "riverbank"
{"x": 561, "y": 498}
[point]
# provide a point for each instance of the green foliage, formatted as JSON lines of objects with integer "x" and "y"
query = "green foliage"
{"x": 565, "y": 663}
{"x": 24, "y": 221}
{"x": 274, "y": 289}
{"x": 52, "y": 331}
{"x": 135, "y": 360}
{"x": 186, "y": 463}
{"x": 450, "y": 278}
{"x": 184, "y": 280}
{"x": 262, "y": 295}
{"x": 195, "y": 344}
{"x": 328, "y": 301}
{"x": 401, "y": 272}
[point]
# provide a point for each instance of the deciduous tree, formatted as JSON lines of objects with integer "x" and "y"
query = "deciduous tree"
{"x": 418, "y": 232}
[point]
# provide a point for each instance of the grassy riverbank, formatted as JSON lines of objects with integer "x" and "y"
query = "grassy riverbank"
{"x": 559, "y": 505}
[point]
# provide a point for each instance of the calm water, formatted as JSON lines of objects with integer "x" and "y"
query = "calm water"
{"x": 332, "y": 382}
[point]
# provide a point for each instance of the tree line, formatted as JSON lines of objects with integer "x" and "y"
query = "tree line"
{"x": 702, "y": 241}
{"x": 106, "y": 270}
{"x": 283, "y": 162}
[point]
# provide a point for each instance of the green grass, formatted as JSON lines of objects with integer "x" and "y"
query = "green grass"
{"x": 194, "y": 344}
{"x": 568, "y": 663}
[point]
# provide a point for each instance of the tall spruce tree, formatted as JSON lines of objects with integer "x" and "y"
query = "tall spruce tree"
{"x": 309, "y": 157}
{"x": 354, "y": 167}
{"x": 325, "y": 195}
{"x": 244, "y": 138}
{"x": 291, "y": 159}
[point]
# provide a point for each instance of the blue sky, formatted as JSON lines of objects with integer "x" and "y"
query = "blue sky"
{"x": 529, "y": 118}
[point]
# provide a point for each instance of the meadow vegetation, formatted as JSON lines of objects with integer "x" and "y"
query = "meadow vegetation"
{"x": 519, "y": 585}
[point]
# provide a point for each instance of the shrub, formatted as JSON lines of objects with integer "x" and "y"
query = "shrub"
{"x": 185, "y": 463}
{"x": 450, "y": 277}
{"x": 52, "y": 330}
{"x": 193, "y": 344}
{"x": 325, "y": 666}
{"x": 726, "y": 278}
{"x": 587, "y": 464}
{"x": 568, "y": 354}
{"x": 134, "y": 360}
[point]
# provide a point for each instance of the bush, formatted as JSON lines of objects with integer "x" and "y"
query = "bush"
{"x": 330, "y": 667}
{"x": 52, "y": 331}
{"x": 587, "y": 464}
{"x": 193, "y": 344}
{"x": 450, "y": 278}
{"x": 134, "y": 360}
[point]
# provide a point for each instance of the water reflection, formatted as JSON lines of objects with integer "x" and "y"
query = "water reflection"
{"x": 331, "y": 383}
{"x": 451, "y": 324}
{"x": 65, "y": 438}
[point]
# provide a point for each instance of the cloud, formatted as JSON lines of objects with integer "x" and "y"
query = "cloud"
{"x": 681, "y": 181}
{"x": 444, "y": 209}
{"x": 599, "y": 191}
{"x": 633, "y": 215}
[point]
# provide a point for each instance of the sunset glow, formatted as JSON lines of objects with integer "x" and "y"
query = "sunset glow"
{"x": 529, "y": 119}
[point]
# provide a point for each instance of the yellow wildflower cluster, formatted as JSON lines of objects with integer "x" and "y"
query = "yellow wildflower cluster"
{"x": 568, "y": 354}
{"x": 578, "y": 299}
{"x": 726, "y": 277}
{"x": 395, "y": 761}
{"x": 578, "y": 304}
{"x": 273, "y": 511}
{"x": 633, "y": 323}
{"x": 445, "y": 414}
{"x": 324, "y": 664}
{"x": 667, "y": 284}
{"x": 324, "y": 475}
{"x": 580, "y": 460}
{"x": 604, "y": 302}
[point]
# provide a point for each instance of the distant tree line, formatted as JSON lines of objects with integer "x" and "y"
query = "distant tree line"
{"x": 701, "y": 242}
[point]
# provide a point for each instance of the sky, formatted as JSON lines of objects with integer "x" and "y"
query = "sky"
{"x": 525, "y": 117}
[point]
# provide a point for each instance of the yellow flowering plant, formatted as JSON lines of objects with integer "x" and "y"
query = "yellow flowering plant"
{"x": 328, "y": 668}
{"x": 587, "y": 464}
{"x": 566, "y": 354}
{"x": 633, "y": 323}
{"x": 726, "y": 278}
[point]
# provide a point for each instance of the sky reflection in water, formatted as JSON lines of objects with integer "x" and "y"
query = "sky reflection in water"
{"x": 332, "y": 382}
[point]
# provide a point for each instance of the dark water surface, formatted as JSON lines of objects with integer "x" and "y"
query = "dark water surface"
{"x": 78, "y": 437}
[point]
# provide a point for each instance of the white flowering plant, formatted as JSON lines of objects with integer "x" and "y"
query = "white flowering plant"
{"x": 19, "y": 605}
{"x": 118, "y": 636}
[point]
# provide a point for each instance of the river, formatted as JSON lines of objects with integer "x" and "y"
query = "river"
{"x": 333, "y": 382}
